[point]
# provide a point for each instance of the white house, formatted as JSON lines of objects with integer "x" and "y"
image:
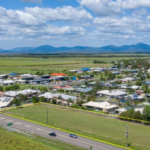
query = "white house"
{"x": 121, "y": 110}
{"x": 7, "y": 82}
{"x": 104, "y": 106}
{"x": 5, "y": 101}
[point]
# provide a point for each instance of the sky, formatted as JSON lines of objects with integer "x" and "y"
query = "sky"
{"x": 95, "y": 23}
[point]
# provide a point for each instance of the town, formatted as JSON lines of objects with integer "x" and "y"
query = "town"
{"x": 115, "y": 90}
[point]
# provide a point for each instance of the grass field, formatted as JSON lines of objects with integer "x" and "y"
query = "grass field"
{"x": 107, "y": 129}
{"x": 31, "y": 65}
{"x": 18, "y": 141}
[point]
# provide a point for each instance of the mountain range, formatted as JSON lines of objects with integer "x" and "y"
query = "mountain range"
{"x": 137, "y": 48}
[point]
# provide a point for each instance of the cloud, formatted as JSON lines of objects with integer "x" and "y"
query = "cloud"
{"x": 102, "y": 7}
{"x": 63, "y": 13}
{"x": 33, "y": 22}
{"x": 139, "y": 13}
{"x": 111, "y": 7}
{"x": 31, "y": 1}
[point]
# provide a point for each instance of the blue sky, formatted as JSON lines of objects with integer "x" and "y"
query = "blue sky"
{"x": 96, "y": 23}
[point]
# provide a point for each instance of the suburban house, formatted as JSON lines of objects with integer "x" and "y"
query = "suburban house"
{"x": 7, "y": 82}
{"x": 5, "y": 101}
{"x": 113, "y": 93}
{"x": 103, "y": 106}
{"x": 27, "y": 92}
{"x": 61, "y": 99}
{"x": 121, "y": 110}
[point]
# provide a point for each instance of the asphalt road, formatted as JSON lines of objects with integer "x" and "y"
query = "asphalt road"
{"x": 43, "y": 131}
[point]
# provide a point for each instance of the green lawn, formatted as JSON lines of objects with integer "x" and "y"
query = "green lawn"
{"x": 111, "y": 130}
{"x": 18, "y": 141}
{"x": 31, "y": 65}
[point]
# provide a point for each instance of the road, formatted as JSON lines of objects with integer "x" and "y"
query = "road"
{"x": 43, "y": 131}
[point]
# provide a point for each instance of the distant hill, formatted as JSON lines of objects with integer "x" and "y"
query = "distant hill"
{"x": 137, "y": 48}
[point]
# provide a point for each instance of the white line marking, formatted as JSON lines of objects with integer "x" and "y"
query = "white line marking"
{"x": 8, "y": 120}
{"x": 18, "y": 123}
{"x": 2, "y": 118}
{"x": 28, "y": 126}
{"x": 38, "y": 129}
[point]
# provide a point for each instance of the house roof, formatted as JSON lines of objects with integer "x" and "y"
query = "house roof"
{"x": 102, "y": 105}
{"x": 103, "y": 92}
{"x": 58, "y": 74}
{"x": 116, "y": 93}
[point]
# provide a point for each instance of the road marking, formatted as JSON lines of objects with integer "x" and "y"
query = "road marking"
{"x": 38, "y": 129}
{"x": 2, "y": 118}
{"x": 18, "y": 123}
{"x": 8, "y": 120}
{"x": 28, "y": 126}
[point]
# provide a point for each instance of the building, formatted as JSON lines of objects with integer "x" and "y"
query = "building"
{"x": 87, "y": 76}
{"x": 28, "y": 77}
{"x": 7, "y": 82}
{"x": 121, "y": 110}
{"x": 4, "y": 76}
{"x": 27, "y": 92}
{"x": 103, "y": 92}
{"x": 103, "y": 106}
{"x": 5, "y": 101}
{"x": 61, "y": 99}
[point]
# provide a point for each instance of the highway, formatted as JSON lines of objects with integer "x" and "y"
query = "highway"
{"x": 43, "y": 131}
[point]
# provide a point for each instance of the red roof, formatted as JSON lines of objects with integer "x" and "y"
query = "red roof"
{"x": 58, "y": 74}
{"x": 61, "y": 87}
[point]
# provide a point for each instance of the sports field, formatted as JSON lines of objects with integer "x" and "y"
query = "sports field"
{"x": 32, "y": 65}
{"x": 102, "y": 128}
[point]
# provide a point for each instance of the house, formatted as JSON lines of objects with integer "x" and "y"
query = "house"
{"x": 60, "y": 98}
{"x": 28, "y": 77}
{"x": 84, "y": 90}
{"x": 139, "y": 92}
{"x": 135, "y": 97}
{"x": 103, "y": 92}
{"x": 128, "y": 79}
{"x": 86, "y": 69}
{"x": 121, "y": 110}
{"x": 4, "y": 76}
{"x": 103, "y": 106}
{"x": 87, "y": 76}
{"x": 45, "y": 76}
{"x": 1, "y": 94}
{"x": 7, "y": 82}
{"x": 62, "y": 87}
{"x": 57, "y": 74}
{"x": 113, "y": 93}
{"x": 27, "y": 92}
{"x": 5, "y": 101}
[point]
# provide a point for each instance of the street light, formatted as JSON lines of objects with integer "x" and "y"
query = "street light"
{"x": 126, "y": 135}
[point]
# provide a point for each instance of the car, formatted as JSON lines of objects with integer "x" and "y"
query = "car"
{"x": 73, "y": 136}
{"x": 52, "y": 134}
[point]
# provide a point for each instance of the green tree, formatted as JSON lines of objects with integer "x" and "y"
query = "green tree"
{"x": 146, "y": 113}
{"x": 1, "y": 88}
{"x": 16, "y": 101}
{"x": 35, "y": 99}
{"x": 136, "y": 102}
{"x": 138, "y": 83}
{"x": 43, "y": 89}
{"x": 54, "y": 101}
{"x": 42, "y": 99}
{"x": 137, "y": 115}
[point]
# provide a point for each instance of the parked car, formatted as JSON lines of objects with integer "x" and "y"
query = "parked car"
{"x": 52, "y": 134}
{"x": 73, "y": 136}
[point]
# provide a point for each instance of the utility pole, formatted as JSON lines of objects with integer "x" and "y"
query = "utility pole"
{"x": 126, "y": 135}
{"x": 47, "y": 116}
